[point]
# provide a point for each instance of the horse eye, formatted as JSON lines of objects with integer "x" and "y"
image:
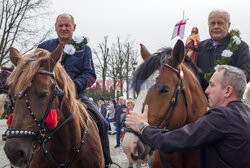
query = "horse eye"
{"x": 42, "y": 95}
{"x": 164, "y": 90}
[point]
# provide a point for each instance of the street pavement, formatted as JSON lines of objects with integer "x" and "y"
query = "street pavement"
{"x": 3, "y": 158}
{"x": 116, "y": 153}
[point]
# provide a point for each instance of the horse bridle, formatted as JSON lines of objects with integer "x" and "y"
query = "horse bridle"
{"x": 172, "y": 105}
{"x": 39, "y": 136}
{"x": 175, "y": 98}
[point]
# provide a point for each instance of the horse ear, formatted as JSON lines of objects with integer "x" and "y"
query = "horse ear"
{"x": 55, "y": 56}
{"x": 178, "y": 53}
{"x": 144, "y": 52}
{"x": 15, "y": 56}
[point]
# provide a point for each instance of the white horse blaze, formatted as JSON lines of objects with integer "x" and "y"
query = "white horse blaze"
{"x": 144, "y": 91}
{"x": 129, "y": 144}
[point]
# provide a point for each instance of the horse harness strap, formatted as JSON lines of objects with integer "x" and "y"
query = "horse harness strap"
{"x": 48, "y": 154}
{"x": 40, "y": 134}
{"x": 173, "y": 105}
{"x": 175, "y": 97}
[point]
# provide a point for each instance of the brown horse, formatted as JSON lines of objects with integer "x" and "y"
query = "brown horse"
{"x": 38, "y": 85}
{"x": 174, "y": 97}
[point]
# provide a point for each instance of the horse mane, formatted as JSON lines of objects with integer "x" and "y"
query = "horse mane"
{"x": 197, "y": 72}
{"x": 21, "y": 78}
{"x": 157, "y": 60}
{"x": 154, "y": 62}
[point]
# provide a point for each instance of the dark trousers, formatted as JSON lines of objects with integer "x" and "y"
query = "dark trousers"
{"x": 104, "y": 137}
{"x": 118, "y": 127}
{"x": 89, "y": 104}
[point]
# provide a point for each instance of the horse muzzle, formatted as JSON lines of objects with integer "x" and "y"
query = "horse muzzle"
{"x": 143, "y": 150}
{"x": 19, "y": 151}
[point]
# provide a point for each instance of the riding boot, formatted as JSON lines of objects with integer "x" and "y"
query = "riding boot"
{"x": 106, "y": 152}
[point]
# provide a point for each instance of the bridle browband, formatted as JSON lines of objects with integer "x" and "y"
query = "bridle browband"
{"x": 172, "y": 105}
{"x": 39, "y": 137}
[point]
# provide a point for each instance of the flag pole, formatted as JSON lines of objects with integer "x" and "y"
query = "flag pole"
{"x": 183, "y": 15}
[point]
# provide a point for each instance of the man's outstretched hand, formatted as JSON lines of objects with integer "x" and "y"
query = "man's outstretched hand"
{"x": 133, "y": 119}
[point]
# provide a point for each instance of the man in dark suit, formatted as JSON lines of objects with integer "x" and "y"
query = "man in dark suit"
{"x": 221, "y": 135}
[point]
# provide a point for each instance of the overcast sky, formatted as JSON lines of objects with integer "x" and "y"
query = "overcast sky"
{"x": 150, "y": 22}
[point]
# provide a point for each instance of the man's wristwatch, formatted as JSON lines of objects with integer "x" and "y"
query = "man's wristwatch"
{"x": 141, "y": 126}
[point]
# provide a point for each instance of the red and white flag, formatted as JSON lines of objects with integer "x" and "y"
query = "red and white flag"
{"x": 179, "y": 29}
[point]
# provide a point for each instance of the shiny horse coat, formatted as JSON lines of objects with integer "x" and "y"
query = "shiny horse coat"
{"x": 156, "y": 82}
{"x": 38, "y": 86}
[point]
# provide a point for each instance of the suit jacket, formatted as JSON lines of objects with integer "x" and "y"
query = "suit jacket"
{"x": 222, "y": 136}
{"x": 209, "y": 54}
{"x": 79, "y": 66}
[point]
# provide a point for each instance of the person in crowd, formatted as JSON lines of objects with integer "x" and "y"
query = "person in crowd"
{"x": 119, "y": 109}
{"x": 130, "y": 106}
{"x": 91, "y": 99}
{"x": 102, "y": 106}
{"x": 192, "y": 44}
{"x": 212, "y": 49}
{"x": 78, "y": 63}
{"x": 221, "y": 135}
{"x": 247, "y": 97}
{"x": 111, "y": 116}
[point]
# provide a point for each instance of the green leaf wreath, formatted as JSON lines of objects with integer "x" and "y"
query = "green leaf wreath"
{"x": 235, "y": 40}
{"x": 74, "y": 45}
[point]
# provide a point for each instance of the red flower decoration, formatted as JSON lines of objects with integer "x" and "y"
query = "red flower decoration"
{"x": 9, "y": 120}
{"x": 51, "y": 120}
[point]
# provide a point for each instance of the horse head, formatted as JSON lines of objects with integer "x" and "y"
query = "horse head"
{"x": 34, "y": 90}
{"x": 172, "y": 92}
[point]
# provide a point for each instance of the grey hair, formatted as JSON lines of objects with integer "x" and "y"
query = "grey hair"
{"x": 65, "y": 15}
{"x": 225, "y": 13}
{"x": 234, "y": 77}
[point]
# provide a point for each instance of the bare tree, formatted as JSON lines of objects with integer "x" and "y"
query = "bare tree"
{"x": 130, "y": 55}
{"x": 114, "y": 66}
{"x": 121, "y": 65}
{"x": 103, "y": 56}
{"x": 117, "y": 65}
{"x": 20, "y": 25}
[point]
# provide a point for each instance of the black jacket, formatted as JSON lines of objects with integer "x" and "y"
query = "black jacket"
{"x": 103, "y": 110}
{"x": 78, "y": 66}
{"x": 222, "y": 135}
{"x": 118, "y": 112}
{"x": 208, "y": 55}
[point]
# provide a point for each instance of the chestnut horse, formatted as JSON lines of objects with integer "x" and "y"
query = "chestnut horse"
{"x": 39, "y": 86}
{"x": 174, "y": 96}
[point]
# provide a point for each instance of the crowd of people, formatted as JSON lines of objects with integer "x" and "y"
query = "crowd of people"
{"x": 115, "y": 115}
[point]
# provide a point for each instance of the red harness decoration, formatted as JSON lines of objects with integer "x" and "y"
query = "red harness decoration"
{"x": 9, "y": 120}
{"x": 51, "y": 120}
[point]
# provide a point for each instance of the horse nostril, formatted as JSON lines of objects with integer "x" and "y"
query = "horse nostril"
{"x": 19, "y": 154}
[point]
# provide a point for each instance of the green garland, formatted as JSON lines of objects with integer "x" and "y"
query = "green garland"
{"x": 226, "y": 55}
{"x": 77, "y": 46}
